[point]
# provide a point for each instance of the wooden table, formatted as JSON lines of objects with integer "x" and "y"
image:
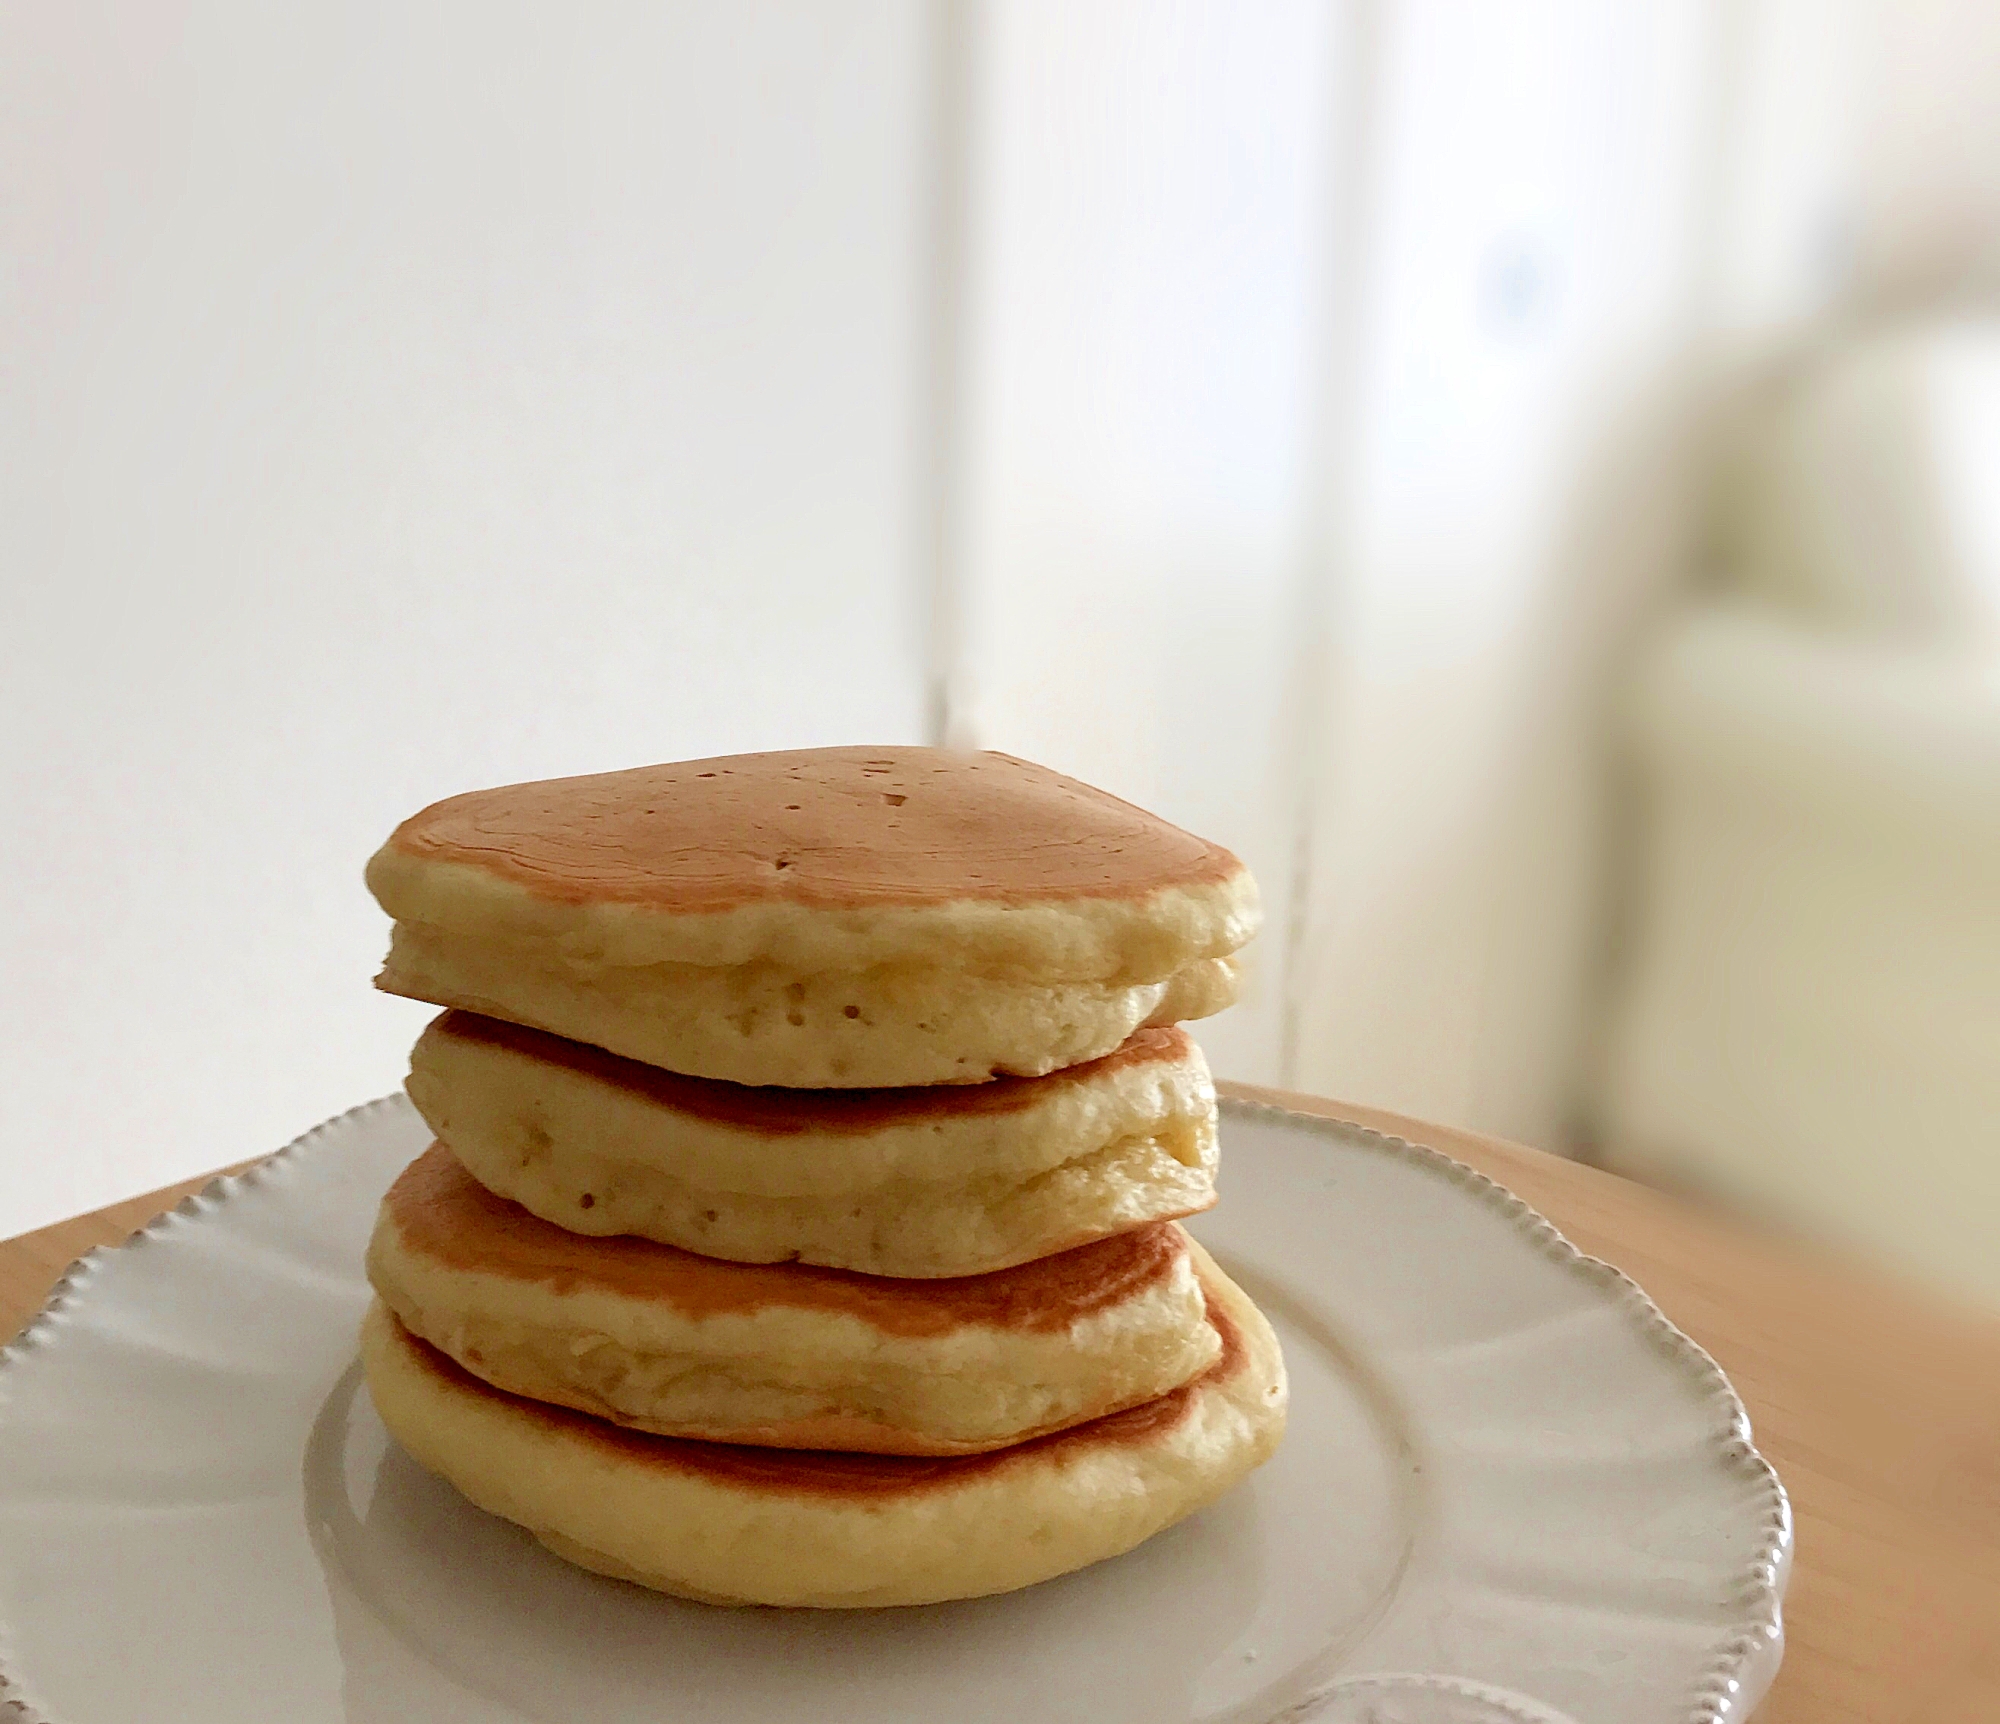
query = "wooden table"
{"x": 1879, "y": 1407}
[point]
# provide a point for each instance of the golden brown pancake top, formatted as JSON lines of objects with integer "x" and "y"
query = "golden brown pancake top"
{"x": 827, "y": 828}
{"x": 788, "y": 1112}
{"x": 821, "y": 1472}
{"x": 442, "y": 1213}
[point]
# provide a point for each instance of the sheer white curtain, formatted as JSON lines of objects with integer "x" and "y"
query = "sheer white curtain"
{"x": 1329, "y": 431}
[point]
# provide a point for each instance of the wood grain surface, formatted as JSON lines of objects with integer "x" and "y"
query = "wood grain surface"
{"x": 1879, "y": 1406}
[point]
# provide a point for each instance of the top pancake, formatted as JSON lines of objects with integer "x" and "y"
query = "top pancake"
{"x": 722, "y": 861}
{"x": 834, "y": 828}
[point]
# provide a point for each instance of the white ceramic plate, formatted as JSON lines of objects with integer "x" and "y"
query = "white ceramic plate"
{"x": 1512, "y": 1493}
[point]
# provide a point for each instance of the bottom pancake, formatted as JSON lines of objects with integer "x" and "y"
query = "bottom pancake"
{"x": 832, "y": 1531}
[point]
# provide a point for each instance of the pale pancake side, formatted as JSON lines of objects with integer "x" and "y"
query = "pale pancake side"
{"x": 755, "y": 1024}
{"x": 954, "y": 1180}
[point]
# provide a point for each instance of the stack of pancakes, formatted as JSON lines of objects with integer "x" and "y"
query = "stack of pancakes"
{"x": 812, "y": 1130}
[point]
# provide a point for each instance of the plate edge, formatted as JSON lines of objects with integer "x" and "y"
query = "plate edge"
{"x": 16, "y": 1704}
{"x": 1744, "y": 1667}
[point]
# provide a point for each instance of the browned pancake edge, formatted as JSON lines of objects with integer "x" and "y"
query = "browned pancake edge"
{"x": 444, "y": 1216}
{"x": 824, "y": 828}
{"x": 829, "y": 1474}
{"x": 793, "y": 1112}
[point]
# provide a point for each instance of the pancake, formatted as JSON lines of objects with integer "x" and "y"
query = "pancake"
{"x": 785, "y": 1356}
{"x": 729, "y": 1524}
{"x": 951, "y": 1180}
{"x": 826, "y": 918}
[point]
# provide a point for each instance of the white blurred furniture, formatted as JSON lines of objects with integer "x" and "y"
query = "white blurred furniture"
{"x": 1807, "y": 1017}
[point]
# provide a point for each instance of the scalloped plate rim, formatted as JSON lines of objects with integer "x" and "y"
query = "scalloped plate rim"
{"x": 1738, "y": 1679}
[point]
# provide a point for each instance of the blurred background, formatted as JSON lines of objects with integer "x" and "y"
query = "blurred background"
{"x": 1527, "y": 477}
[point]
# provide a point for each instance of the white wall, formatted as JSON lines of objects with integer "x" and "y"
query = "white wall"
{"x": 399, "y": 399}
{"x": 1927, "y": 155}
{"x": 1146, "y": 218}
{"x": 1509, "y": 499}
{"x": 1784, "y": 215}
